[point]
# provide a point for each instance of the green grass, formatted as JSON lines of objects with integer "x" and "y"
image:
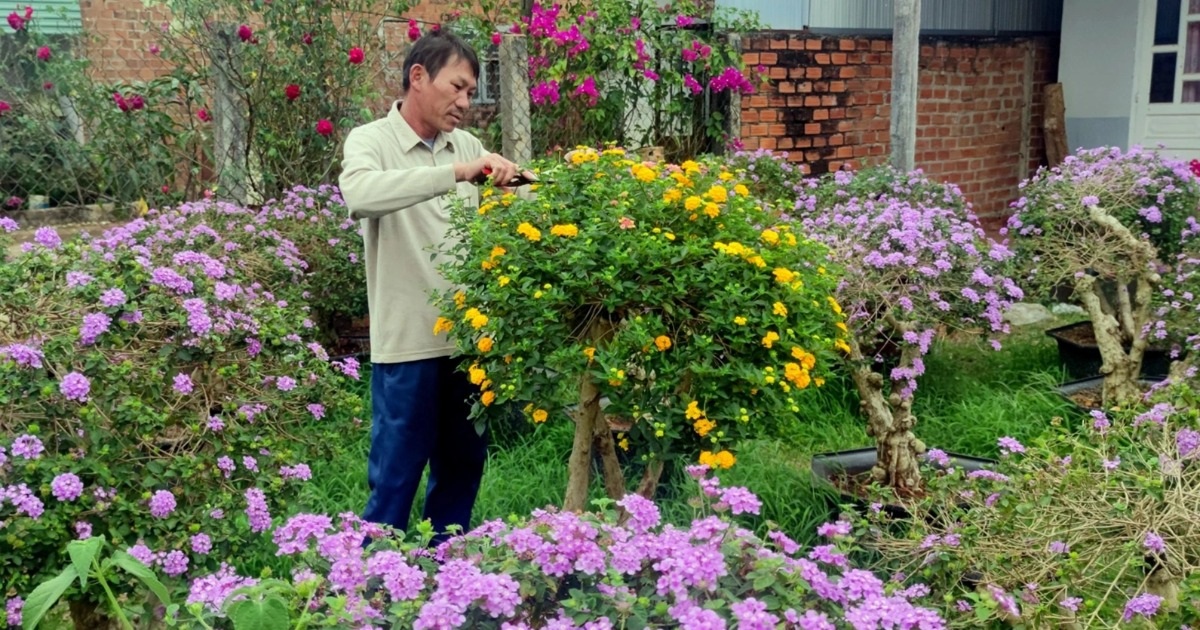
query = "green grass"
{"x": 969, "y": 397}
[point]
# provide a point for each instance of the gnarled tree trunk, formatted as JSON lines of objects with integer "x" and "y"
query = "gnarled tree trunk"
{"x": 592, "y": 431}
{"x": 890, "y": 421}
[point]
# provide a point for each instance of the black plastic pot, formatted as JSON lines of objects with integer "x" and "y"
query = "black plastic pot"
{"x": 860, "y": 460}
{"x": 1074, "y": 387}
{"x": 1083, "y": 360}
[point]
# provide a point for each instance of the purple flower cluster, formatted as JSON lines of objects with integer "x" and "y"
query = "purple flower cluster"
{"x": 881, "y": 226}
{"x": 23, "y": 500}
{"x": 24, "y": 355}
{"x": 257, "y": 510}
{"x": 66, "y": 487}
{"x": 162, "y": 503}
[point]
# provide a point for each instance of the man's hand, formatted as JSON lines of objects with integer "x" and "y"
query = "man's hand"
{"x": 494, "y": 165}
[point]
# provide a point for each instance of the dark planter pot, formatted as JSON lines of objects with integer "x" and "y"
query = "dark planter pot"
{"x": 860, "y": 460}
{"x": 1083, "y": 360}
{"x": 1074, "y": 387}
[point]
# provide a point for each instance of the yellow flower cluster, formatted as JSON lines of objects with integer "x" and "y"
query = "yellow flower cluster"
{"x": 477, "y": 319}
{"x": 490, "y": 263}
{"x": 565, "y": 230}
{"x": 741, "y": 190}
{"x": 476, "y": 374}
{"x": 529, "y": 232}
{"x": 484, "y": 344}
{"x": 723, "y": 459}
{"x": 460, "y": 300}
{"x": 690, "y": 167}
{"x": 700, "y": 423}
{"x": 583, "y": 154}
{"x": 779, "y": 309}
{"x": 540, "y": 416}
{"x": 663, "y": 343}
{"x": 484, "y": 208}
{"x": 807, "y": 360}
{"x": 770, "y": 338}
{"x": 442, "y": 325}
{"x": 718, "y": 194}
{"x": 734, "y": 248}
{"x": 643, "y": 173}
{"x": 672, "y": 195}
{"x": 797, "y": 375}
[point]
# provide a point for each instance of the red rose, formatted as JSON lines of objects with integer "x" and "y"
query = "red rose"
{"x": 15, "y": 21}
{"x": 43, "y": 53}
{"x": 292, "y": 91}
{"x": 28, "y": 13}
{"x": 202, "y": 114}
{"x": 324, "y": 127}
{"x": 244, "y": 33}
{"x": 356, "y": 55}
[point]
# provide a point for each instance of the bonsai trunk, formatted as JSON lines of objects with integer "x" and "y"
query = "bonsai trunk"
{"x": 1120, "y": 368}
{"x": 1113, "y": 324}
{"x": 890, "y": 421}
{"x": 592, "y": 431}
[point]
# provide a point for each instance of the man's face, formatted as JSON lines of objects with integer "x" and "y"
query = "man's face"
{"x": 447, "y": 97}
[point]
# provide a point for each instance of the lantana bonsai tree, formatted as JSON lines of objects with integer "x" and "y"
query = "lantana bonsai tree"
{"x": 915, "y": 262}
{"x": 666, "y": 290}
{"x": 158, "y": 382}
{"x": 1109, "y": 224}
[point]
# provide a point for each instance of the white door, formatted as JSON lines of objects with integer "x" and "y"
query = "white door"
{"x": 1167, "y": 99}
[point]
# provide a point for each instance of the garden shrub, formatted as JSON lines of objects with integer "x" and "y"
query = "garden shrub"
{"x": 560, "y": 569}
{"x": 1110, "y": 224}
{"x": 667, "y": 290}
{"x": 160, "y": 384}
{"x": 916, "y": 263}
{"x": 1094, "y": 525}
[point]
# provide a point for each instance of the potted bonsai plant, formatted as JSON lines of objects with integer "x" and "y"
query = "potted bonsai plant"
{"x": 667, "y": 291}
{"x": 1109, "y": 224}
{"x": 915, "y": 262}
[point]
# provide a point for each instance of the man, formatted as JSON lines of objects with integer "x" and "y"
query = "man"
{"x": 395, "y": 174}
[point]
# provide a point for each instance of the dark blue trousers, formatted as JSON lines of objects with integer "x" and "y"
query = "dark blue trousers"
{"x": 418, "y": 417}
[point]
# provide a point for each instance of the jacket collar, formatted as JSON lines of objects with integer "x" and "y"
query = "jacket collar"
{"x": 409, "y": 139}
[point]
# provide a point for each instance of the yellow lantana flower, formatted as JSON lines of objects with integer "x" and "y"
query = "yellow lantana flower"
{"x": 566, "y": 230}
{"x": 718, "y": 194}
{"x": 770, "y": 237}
{"x": 460, "y": 300}
{"x": 485, "y": 208}
{"x": 693, "y": 411}
{"x": 739, "y": 320}
{"x": 497, "y": 252}
{"x": 487, "y": 398}
{"x": 479, "y": 321}
{"x": 690, "y": 167}
{"x": 703, "y": 426}
{"x": 770, "y": 338}
{"x": 784, "y": 276}
{"x": 529, "y": 232}
{"x": 725, "y": 176}
{"x": 833, "y": 303}
{"x": 841, "y": 344}
{"x": 503, "y": 280}
{"x": 672, "y": 195}
{"x": 644, "y": 173}
{"x": 442, "y": 325}
{"x": 807, "y": 359}
{"x": 663, "y": 343}
{"x": 484, "y": 344}
{"x": 540, "y": 416}
{"x": 477, "y": 375}
{"x": 692, "y": 203}
{"x": 590, "y": 353}
{"x": 712, "y": 210}
{"x": 779, "y": 309}
{"x": 741, "y": 190}
{"x": 723, "y": 459}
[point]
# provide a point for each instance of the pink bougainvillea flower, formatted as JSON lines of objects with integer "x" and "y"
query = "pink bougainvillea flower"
{"x": 684, "y": 21}
{"x": 203, "y": 115}
{"x": 122, "y": 104}
{"x": 356, "y": 55}
{"x": 414, "y": 31}
{"x": 4, "y": 107}
{"x": 43, "y": 53}
{"x": 545, "y": 92}
{"x": 136, "y": 102}
{"x": 496, "y": 38}
{"x": 690, "y": 55}
{"x": 692, "y": 84}
{"x": 588, "y": 89}
{"x": 292, "y": 91}
{"x": 244, "y": 33}
{"x": 324, "y": 127}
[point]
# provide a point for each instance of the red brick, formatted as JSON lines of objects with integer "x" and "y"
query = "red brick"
{"x": 849, "y": 72}
{"x": 845, "y": 152}
{"x": 821, "y": 58}
{"x": 812, "y": 101}
{"x": 751, "y": 58}
{"x": 766, "y": 143}
{"x": 812, "y": 44}
{"x": 785, "y": 143}
{"x": 846, "y": 44}
{"x": 838, "y": 58}
{"x": 769, "y": 58}
{"x": 812, "y": 129}
{"x": 750, "y": 116}
{"x": 820, "y": 114}
{"x": 787, "y": 87}
{"x": 778, "y": 44}
{"x": 819, "y": 142}
{"x": 812, "y": 73}
{"x": 834, "y": 165}
{"x": 796, "y": 44}
{"x": 828, "y": 101}
{"x": 802, "y": 143}
{"x": 837, "y": 86}
{"x": 777, "y": 72}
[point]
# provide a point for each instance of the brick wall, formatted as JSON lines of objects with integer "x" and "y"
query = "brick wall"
{"x": 828, "y": 105}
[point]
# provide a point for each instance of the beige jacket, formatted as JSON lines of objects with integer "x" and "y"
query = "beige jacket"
{"x": 398, "y": 187}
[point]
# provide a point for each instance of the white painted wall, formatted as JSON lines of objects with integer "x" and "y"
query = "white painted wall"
{"x": 1097, "y": 69}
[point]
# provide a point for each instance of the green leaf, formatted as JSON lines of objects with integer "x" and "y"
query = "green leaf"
{"x": 43, "y": 598}
{"x": 269, "y": 614}
{"x": 143, "y": 573}
{"x": 82, "y": 553}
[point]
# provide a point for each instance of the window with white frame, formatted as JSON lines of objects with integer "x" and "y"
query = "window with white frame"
{"x": 1175, "y": 58}
{"x": 487, "y": 87}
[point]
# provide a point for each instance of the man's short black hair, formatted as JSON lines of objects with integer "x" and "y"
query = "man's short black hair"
{"x": 434, "y": 51}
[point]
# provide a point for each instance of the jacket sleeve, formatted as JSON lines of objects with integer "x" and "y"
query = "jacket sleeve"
{"x": 371, "y": 191}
